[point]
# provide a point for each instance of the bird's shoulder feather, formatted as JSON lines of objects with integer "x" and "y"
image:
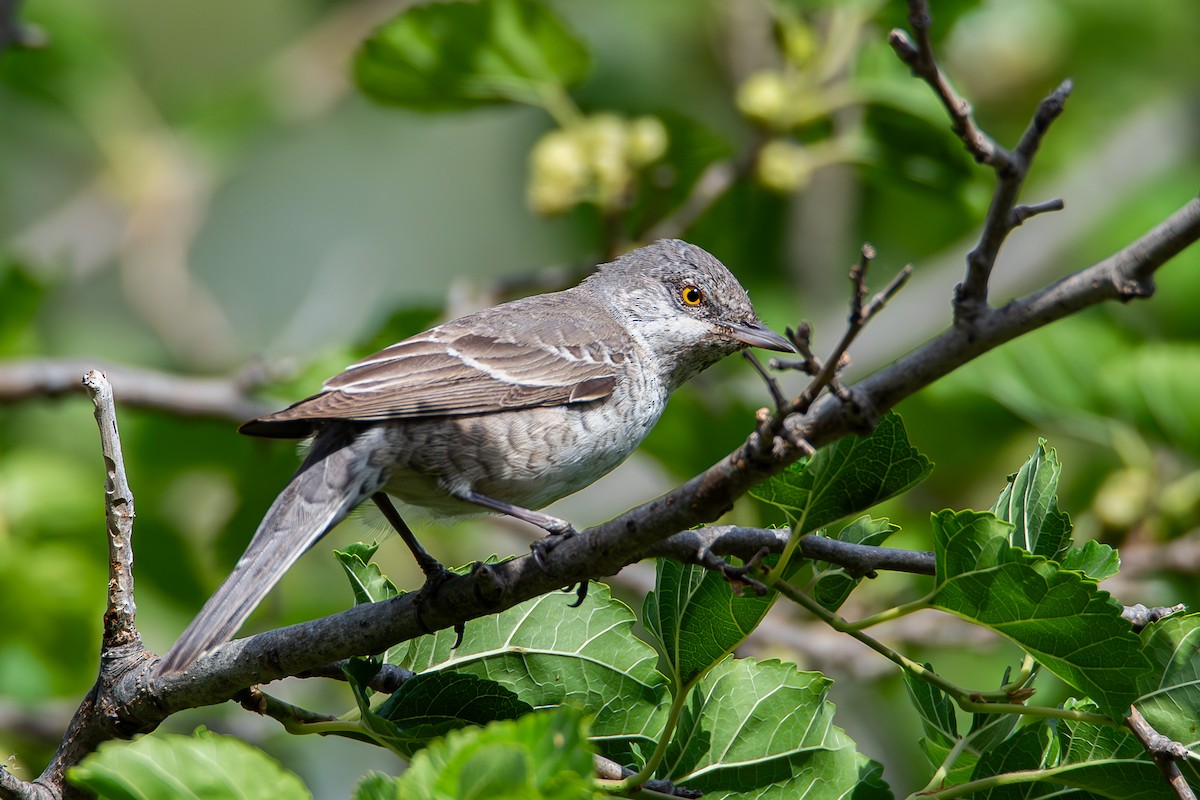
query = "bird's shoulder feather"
{"x": 507, "y": 358}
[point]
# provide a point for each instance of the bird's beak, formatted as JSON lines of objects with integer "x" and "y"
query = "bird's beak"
{"x": 755, "y": 334}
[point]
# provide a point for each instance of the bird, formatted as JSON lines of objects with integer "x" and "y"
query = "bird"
{"x": 504, "y": 410}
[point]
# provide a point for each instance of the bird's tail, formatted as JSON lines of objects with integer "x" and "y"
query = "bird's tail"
{"x": 335, "y": 477}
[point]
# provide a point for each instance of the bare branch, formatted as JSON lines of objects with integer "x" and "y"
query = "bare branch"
{"x": 694, "y": 546}
{"x": 919, "y": 58}
{"x": 1140, "y": 616}
{"x": 826, "y": 372}
{"x": 1166, "y": 753}
{"x": 292, "y": 717}
{"x": 219, "y": 398}
{"x": 971, "y": 297}
{"x": 389, "y": 678}
{"x": 781, "y": 402}
{"x": 13, "y": 788}
{"x": 119, "y": 624}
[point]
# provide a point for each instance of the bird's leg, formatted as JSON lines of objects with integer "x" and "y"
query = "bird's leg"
{"x": 551, "y": 525}
{"x": 558, "y": 529}
{"x": 435, "y": 572}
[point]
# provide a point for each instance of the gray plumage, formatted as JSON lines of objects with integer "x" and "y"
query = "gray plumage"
{"x": 510, "y": 409}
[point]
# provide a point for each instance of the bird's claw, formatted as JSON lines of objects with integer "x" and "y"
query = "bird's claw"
{"x": 436, "y": 575}
{"x": 581, "y": 592}
{"x": 555, "y": 535}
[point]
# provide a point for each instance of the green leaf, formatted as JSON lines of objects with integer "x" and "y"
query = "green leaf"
{"x": 459, "y": 696}
{"x": 1034, "y": 747}
{"x": 696, "y": 617}
{"x": 453, "y": 56}
{"x": 963, "y": 766}
{"x": 1100, "y": 760}
{"x": 764, "y": 730}
{"x": 205, "y": 765}
{"x": 1169, "y": 696}
{"x": 1068, "y": 624}
{"x": 541, "y": 756}
{"x": 551, "y": 654}
{"x": 833, "y": 583}
{"x": 935, "y": 708}
{"x": 377, "y": 786}
{"x": 24, "y": 294}
{"x": 370, "y": 585}
{"x": 847, "y": 477}
{"x": 1097, "y": 561}
{"x": 989, "y": 730}
{"x": 367, "y": 581}
{"x": 1030, "y": 503}
{"x": 428, "y": 706}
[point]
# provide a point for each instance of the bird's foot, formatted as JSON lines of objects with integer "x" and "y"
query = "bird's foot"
{"x": 556, "y": 533}
{"x": 436, "y": 574}
{"x": 581, "y": 590}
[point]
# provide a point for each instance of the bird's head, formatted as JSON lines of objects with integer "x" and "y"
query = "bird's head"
{"x": 683, "y": 306}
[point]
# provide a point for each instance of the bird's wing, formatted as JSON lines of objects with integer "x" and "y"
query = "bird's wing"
{"x": 451, "y": 371}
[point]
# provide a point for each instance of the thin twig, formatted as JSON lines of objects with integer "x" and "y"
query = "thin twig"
{"x": 801, "y": 338}
{"x": 220, "y": 398}
{"x": 919, "y": 58}
{"x": 706, "y": 545}
{"x": 972, "y": 295}
{"x": 1022, "y": 213}
{"x": 120, "y": 628}
{"x": 292, "y": 717}
{"x": 387, "y": 680}
{"x": 781, "y": 401}
{"x": 1140, "y": 616}
{"x": 1166, "y": 753}
{"x": 860, "y": 315}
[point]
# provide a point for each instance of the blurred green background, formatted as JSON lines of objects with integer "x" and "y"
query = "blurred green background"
{"x": 198, "y": 188}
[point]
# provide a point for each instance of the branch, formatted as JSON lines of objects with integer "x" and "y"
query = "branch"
{"x": 1140, "y": 616}
{"x": 119, "y": 627}
{"x": 218, "y": 398}
{"x": 1011, "y": 167}
{"x": 1003, "y": 214}
{"x": 1166, "y": 753}
{"x": 919, "y": 58}
{"x": 121, "y": 646}
{"x": 695, "y": 546}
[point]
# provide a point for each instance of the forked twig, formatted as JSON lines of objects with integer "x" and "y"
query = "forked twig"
{"x": 1011, "y": 167}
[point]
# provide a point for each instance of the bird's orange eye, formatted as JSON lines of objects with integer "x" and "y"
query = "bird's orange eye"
{"x": 691, "y": 295}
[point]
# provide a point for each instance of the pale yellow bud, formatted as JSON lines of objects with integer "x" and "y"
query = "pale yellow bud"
{"x": 798, "y": 42}
{"x": 607, "y": 139}
{"x": 647, "y": 141}
{"x": 763, "y": 97}
{"x": 783, "y": 166}
{"x": 558, "y": 172}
